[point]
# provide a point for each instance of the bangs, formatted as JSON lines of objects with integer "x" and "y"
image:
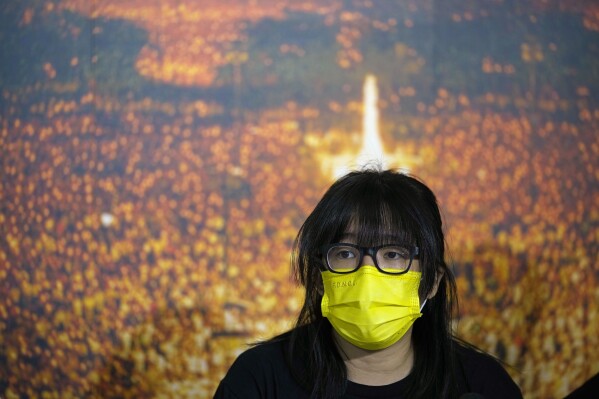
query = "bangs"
{"x": 373, "y": 217}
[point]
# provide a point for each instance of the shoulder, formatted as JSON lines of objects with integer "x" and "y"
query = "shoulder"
{"x": 484, "y": 375}
{"x": 259, "y": 372}
{"x": 266, "y": 353}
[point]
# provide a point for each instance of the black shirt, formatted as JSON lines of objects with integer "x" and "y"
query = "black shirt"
{"x": 261, "y": 372}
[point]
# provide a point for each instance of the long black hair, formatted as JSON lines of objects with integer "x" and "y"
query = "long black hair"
{"x": 375, "y": 204}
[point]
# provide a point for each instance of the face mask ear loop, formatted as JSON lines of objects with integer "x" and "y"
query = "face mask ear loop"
{"x": 425, "y": 299}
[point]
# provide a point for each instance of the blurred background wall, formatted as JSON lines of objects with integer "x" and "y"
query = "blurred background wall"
{"x": 158, "y": 157}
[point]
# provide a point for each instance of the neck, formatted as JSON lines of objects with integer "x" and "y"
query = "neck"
{"x": 380, "y": 367}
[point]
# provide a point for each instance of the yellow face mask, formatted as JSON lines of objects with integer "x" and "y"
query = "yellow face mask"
{"x": 370, "y": 309}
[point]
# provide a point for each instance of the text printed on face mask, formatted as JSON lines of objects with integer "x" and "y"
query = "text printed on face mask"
{"x": 343, "y": 284}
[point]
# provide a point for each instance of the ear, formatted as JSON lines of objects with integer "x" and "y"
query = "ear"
{"x": 438, "y": 277}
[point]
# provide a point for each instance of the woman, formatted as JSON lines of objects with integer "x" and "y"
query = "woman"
{"x": 377, "y": 311}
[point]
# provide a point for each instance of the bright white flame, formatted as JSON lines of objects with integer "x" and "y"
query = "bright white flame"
{"x": 106, "y": 219}
{"x": 372, "y": 145}
{"x": 372, "y": 151}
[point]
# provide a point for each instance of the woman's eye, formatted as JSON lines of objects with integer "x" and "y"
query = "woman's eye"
{"x": 345, "y": 254}
{"x": 396, "y": 254}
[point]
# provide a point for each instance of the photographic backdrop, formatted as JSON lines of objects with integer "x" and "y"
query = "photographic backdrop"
{"x": 158, "y": 157}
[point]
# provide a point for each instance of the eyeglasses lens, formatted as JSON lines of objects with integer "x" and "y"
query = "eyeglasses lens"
{"x": 390, "y": 258}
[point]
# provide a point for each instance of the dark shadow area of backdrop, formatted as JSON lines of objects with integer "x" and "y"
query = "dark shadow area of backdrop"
{"x": 158, "y": 158}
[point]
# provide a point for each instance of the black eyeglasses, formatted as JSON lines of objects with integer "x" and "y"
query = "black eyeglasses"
{"x": 347, "y": 258}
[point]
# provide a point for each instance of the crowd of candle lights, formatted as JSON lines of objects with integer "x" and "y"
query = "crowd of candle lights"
{"x": 140, "y": 259}
{"x": 146, "y": 243}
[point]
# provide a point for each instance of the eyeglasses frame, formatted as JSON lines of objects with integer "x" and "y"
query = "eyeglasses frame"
{"x": 370, "y": 251}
